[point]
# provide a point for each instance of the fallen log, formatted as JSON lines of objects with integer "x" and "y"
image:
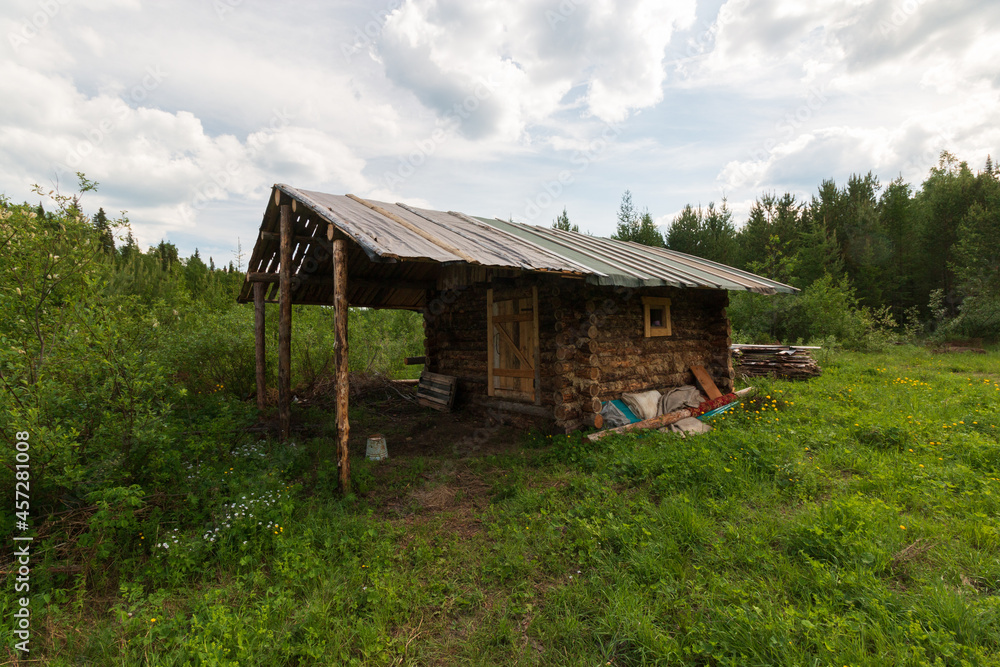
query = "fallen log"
{"x": 655, "y": 422}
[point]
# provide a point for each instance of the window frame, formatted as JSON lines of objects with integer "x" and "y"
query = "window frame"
{"x": 648, "y": 304}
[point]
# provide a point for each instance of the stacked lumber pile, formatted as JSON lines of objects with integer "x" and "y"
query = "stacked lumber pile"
{"x": 787, "y": 362}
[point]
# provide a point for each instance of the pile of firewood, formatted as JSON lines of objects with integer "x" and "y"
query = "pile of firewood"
{"x": 787, "y": 362}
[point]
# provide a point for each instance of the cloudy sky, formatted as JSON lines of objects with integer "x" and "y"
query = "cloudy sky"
{"x": 187, "y": 111}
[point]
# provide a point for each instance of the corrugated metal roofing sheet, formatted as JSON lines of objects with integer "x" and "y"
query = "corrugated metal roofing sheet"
{"x": 397, "y": 232}
{"x": 632, "y": 264}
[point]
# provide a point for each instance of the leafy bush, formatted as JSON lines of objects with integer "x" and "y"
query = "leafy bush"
{"x": 826, "y": 309}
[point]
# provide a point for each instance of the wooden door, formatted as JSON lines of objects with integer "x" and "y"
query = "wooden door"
{"x": 514, "y": 369}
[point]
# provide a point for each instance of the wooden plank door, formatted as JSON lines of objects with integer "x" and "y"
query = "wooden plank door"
{"x": 513, "y": 353}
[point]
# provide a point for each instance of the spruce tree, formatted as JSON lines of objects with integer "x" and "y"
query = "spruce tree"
{"x": 562, "y": 222}
{"x": 104, "y": 234}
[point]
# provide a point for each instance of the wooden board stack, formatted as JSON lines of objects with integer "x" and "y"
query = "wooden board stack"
{"x": 786, "y": 362}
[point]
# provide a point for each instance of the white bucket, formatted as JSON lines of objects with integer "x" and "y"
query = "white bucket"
{"x": 376, "y": 449}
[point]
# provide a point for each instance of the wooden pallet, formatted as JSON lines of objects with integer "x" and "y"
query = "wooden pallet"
{"x": 437, "y": 391}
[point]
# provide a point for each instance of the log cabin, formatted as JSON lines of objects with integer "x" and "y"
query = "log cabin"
{"x": 532, "y": 319}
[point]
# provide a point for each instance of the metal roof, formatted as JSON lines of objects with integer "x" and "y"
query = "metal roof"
{"x": 632, "y": 264}
{"x": 418, "y": 239}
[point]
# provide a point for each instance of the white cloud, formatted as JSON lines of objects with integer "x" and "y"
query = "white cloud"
{"x": 779, "y": 95}
{"x": 534, "y": 55}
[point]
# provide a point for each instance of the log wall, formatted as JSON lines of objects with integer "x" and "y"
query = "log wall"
{"x": 592, "y": 342}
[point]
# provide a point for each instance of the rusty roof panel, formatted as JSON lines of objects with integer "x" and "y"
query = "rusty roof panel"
{"x": 398, "y": 233}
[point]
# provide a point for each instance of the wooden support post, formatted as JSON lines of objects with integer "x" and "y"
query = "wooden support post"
{"x": 538, "y": 349}
{"x": 285, "y": 326}
{"x": 258, "y": 339}
{"x": 340, "y": 354}
{"x": 490, "y": 334}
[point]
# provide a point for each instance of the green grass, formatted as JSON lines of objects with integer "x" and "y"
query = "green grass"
{"x": 848, "y": 520}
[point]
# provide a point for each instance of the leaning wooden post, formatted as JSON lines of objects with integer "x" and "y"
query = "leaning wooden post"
{"x": 258, "y": 340}
{"x": 340, "y": 354}
{"x": 285, "y": 326}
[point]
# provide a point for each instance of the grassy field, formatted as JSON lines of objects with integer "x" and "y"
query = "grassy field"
{"x": 848, "y": 520}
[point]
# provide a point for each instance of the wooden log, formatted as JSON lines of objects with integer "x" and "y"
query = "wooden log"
{"x": 594, "y": 420}
{"x": 340, "y": 359}
{"x": 561, "y": 381}
{"x": 591, "y": 404}
{"x": 285, "y": 326}
{"x": 566, "y": 395}
{"x": 564, "y": 353}
{"x": 510, "y": 406}
{"x": 591, "y": 373}
{"x": 563, "y": 367}
{"x": 588, "y": 345}
{"x": 567, "y": 411}
{"x": 655, "y": 422}
{"x": 585, "y": 359}
{"x": 260, "y": 356}
{"x": 415, "y": 361}
{"x": 569, "y": 425}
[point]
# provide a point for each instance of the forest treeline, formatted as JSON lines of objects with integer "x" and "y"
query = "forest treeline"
{"x": 868, "y": 257}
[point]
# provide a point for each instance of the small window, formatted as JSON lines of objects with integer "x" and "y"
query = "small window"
{"x": 656, "y": 315}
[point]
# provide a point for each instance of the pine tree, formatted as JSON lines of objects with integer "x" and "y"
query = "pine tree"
{"x": 167, "y": 253}
{"x": 635, "y": 227}
{"x": 105, "y": 236}
{"x": 648, "y": 234}
{"x": 562, "y": 222}
{"x": 131, "y": 247}
{"x": 684, "y": 233}
{"x": 628, "y": 219}
{"x": 719, "y": 234}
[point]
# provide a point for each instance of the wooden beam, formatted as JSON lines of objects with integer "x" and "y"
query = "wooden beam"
{"x": 511, "y": 406}
{"x": 270, "y": 278}
{"x": 706, "y": 383}
{"x": 490, "y": 390}
{"x": 513, "y": 346}
{"x": 514, "y": 373}
{"x": 285, "y": 326}
{"x": 314, "y": 279}
{"x": 298, "y": 238}
{"x": 513, "y": 317}
{"x": 538, "y": 348}
{"x": 258, "y": 339}
{"x": 340, "y": 356}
